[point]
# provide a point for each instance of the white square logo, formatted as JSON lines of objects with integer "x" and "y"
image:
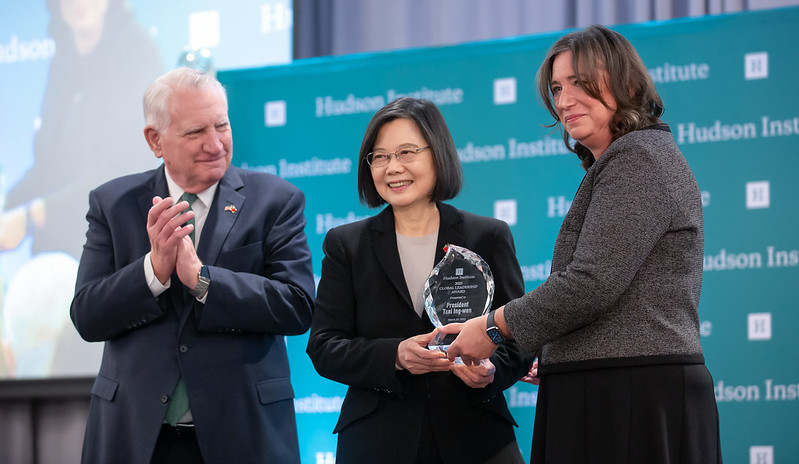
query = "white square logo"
{"x": 505, "y": 210}
{"x": 505, "y": 91}
{"x": 275, "y": 113}
{"x": 757, "y": 195}
{"x": 458, "y": 271}
{"x": 204, "y": 29}
{"x": 756, "y": 65}
{"x": 761, "y": 455}
{"x": 759, "y": 326}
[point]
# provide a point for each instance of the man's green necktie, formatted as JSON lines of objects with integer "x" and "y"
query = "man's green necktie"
{"x": 179, "y": 405}
{"x": 190, "y": 197}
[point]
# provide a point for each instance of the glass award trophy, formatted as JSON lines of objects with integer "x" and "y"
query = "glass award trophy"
{"x": 459, "y": 288}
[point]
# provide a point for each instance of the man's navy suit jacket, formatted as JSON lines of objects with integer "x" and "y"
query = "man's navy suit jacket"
{"x": 230, "y": 350}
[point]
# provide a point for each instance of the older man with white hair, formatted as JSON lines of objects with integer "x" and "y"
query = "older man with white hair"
{"x": 191, "y": 274}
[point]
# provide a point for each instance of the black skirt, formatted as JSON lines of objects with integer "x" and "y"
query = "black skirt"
{"x": 649, "y": 414}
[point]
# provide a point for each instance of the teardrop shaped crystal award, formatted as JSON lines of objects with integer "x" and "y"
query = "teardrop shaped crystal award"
{"x": 459, "y": 288}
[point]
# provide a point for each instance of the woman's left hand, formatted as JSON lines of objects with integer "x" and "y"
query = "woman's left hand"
{"x": 532, "y": 375}
{"x": 476, "y": 375}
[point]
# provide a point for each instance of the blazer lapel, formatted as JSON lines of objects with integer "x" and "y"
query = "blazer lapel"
{"x": 156, "y": 186}
{"x": 450, "y": 229}
{"x": 227, "y": 207}
{"x": 384, "y": 245}
{"x": 384, "y": 240}
{"x": 215, "y": 231}
{"x": 218, "y": 224}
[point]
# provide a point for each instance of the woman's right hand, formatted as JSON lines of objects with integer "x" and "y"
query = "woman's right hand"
{"x": 413, "y": 356}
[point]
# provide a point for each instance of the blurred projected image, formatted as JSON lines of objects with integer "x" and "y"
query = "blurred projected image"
{"x": 90, "y": 132}
{"x": 72, "y": 77}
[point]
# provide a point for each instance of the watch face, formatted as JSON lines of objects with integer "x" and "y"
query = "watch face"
{"x": 495, "y": 335}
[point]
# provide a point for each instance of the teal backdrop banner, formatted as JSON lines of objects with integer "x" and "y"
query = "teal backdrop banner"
{"x": 729, "y": 87}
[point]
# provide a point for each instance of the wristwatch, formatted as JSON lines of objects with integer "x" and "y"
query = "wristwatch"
{"x": 493, "y": 331}
{"x": 202, "y": 284}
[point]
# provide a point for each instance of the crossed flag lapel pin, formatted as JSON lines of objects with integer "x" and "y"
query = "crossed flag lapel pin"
{"x": 231, "y": 208}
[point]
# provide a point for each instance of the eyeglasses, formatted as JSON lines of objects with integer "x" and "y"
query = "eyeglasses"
{"x": 404, "y": 154}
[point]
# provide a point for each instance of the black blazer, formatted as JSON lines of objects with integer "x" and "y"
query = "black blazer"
{"x": 364, "y": 310}
{"x": 229, "y": 350}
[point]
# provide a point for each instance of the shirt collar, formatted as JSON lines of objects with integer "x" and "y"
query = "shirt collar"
{"x": 206, "y": 196}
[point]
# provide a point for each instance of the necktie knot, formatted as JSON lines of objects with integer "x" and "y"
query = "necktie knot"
{"x": 190, "y": 197}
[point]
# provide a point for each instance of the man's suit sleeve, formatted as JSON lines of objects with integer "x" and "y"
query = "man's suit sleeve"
{"x": 110, "y": 300}
{"x": 278, "y": 300}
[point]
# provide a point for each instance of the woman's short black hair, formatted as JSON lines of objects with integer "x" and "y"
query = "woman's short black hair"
{"x": 426, "y": 115}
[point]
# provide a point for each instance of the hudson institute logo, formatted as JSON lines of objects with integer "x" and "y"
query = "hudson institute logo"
{"x": 759, "y": 325}
{"x": 505, "y": 91}
{"x": 761, "y": 455}
{"x": 505, "y": 210}
{"x": 275, "y": 113}
{"x": 757, "y": 195}
{"x": 756, "y": 66}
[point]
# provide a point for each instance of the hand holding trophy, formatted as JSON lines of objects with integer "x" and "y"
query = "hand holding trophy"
{"x": 459, "y": 288}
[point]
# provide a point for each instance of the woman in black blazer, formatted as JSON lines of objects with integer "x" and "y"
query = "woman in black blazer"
{"x": 405, "y": 403}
